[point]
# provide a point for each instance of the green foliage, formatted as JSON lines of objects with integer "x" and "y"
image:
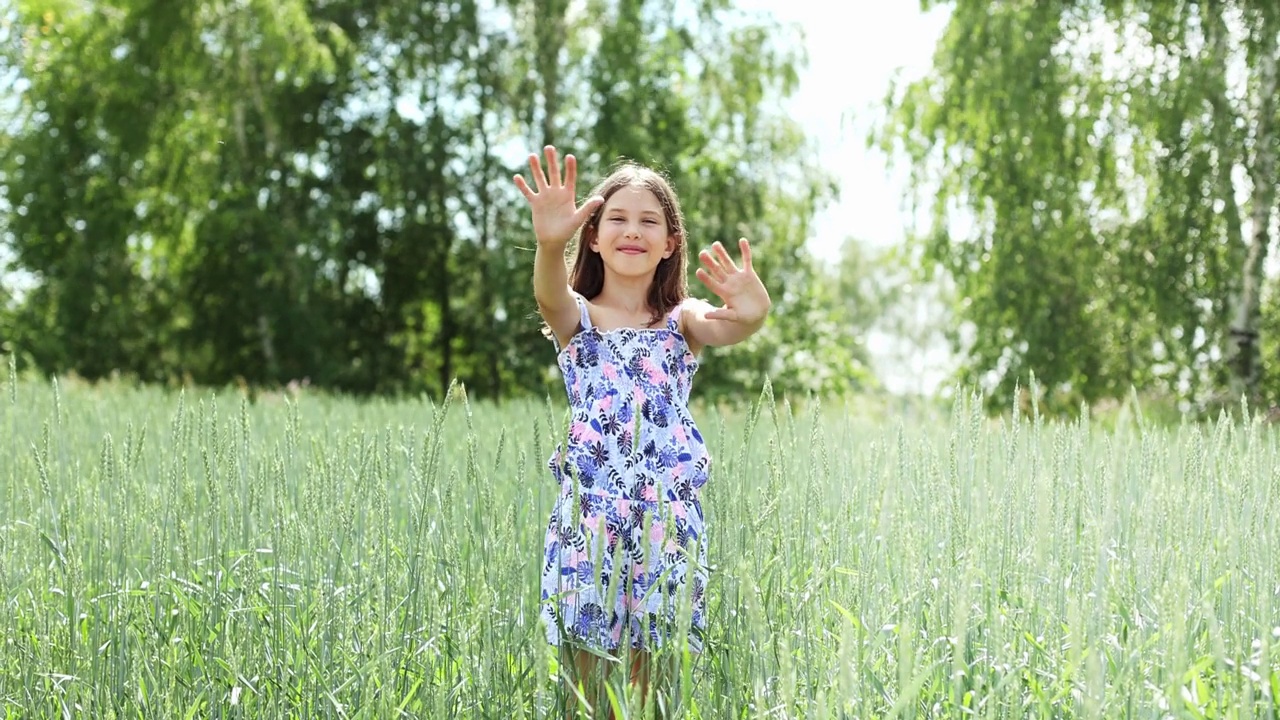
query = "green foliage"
{"x": 1098, "y": 175}
{"x": 263, "y": 192}
{"x": 147, "y": 192}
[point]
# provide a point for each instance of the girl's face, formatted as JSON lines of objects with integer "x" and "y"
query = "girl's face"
{"x": 632, "y": 236}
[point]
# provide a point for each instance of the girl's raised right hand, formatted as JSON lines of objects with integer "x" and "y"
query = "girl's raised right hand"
{"x": 555, "y": 217}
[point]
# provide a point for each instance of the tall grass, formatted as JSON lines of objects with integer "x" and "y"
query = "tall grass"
{"x": 201, "y": 555}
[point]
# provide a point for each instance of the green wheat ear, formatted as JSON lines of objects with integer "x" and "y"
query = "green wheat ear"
{"x": 635, "y": 424}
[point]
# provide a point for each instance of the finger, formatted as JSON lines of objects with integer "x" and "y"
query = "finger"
{"x": 713, "y": 266}
{"x": 553, "y": 166}
{"x": 712, "y": 284}
{"x": 524, "y": 187}
{"x": 723, "y": 313}
{"x": 589, "y": 207}
{"x": 745, "y": 248}
{"x": 723, "y": 256}
{"x": 721, "y": 270}
{"x": 539, "y": 179}
{"x": 570, "y": 171}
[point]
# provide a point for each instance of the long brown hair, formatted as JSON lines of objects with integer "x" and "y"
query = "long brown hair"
{"x": 670, "y": 280}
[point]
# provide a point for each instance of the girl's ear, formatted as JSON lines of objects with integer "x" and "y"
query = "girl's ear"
{"x": 673, "y": 242}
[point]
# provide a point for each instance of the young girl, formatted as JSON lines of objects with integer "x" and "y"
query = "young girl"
{"x": 626, "y": 543}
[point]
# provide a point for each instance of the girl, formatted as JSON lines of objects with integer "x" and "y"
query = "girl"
{"x": 625, "y": 546}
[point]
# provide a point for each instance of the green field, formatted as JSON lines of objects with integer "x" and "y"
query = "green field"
{"x": 168, "y": 555}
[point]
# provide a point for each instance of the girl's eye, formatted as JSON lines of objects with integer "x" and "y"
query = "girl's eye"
{"x": 650, "y": 222}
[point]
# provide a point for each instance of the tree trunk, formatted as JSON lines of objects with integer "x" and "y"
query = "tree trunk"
{"x": 443, "y": 287}
{"x": 1244, "y": 328}
{"x": 491, "y": 347}
{"x": 549, "y": 29}
{"x": 444, "y": 248}
{"x": 267, "y": 338}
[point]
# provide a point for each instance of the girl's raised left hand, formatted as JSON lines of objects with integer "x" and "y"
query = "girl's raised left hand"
{"x": 745, "y": 298}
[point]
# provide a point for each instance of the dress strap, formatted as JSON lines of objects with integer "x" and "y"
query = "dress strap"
{"x": 673, "y": 318}
{"x": 584, "y": 316}
{"x": 584, "y": 320}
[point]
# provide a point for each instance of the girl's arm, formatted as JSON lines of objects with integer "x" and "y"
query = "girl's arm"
{"x": 556, "y": 217}
{"x": 703, "y": 331}
{"x": 552, "y": 292}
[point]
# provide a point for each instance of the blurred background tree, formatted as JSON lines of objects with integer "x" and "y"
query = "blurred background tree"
{"x": 261, "y": 192}
{"x": 1115, "y": 166}
{"x": 254, "y": 192}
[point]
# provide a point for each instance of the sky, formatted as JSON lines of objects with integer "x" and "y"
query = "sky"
{"x": 850, "y": 66}
{"x": 841, "y": 93}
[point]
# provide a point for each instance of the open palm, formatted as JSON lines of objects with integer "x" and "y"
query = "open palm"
{"x": 744, "y": 295}
{"x": 556, "y": 216}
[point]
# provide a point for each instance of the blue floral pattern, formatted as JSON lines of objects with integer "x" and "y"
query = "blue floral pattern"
{"x": 625, "y": 556}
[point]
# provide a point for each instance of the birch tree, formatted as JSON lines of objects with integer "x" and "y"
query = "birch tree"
{"x": 1116, "y": 161}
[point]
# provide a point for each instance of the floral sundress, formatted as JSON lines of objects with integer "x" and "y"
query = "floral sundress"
{"x": 625, "y": 555}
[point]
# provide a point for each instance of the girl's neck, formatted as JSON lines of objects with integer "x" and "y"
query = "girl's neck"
{"x": 629, "y": 295}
